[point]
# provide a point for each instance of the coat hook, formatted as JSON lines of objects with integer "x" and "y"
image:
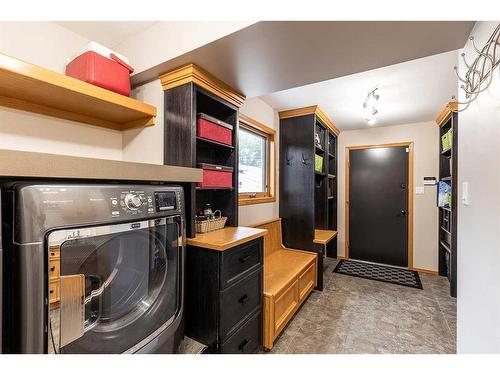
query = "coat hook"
{"x": 305, "y": 160}
{"x": 479, "y": 74}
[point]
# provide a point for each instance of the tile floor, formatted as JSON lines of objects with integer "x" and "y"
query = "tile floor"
{"x": 354, "y": 315}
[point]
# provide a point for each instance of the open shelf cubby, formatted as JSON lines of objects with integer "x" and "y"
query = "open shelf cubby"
{"x": 447, "y": 216}
{"x": 184, "y": 147}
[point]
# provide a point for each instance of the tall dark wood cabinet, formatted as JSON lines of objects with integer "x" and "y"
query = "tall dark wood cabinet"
{"x": 448, "y": 173}
{"x": 189, "y": 91}
{"x": 308, "y": 180}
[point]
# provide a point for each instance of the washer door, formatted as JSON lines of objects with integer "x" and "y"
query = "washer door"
{"x": 118, "y": 286}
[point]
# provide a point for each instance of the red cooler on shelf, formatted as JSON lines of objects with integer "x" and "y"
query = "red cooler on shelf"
{"x": 215, "y": 176}
{"x": 209, "y": 127}
{"x": 101, "y": 67}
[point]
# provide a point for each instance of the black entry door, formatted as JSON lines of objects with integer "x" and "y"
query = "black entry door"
{"x": 378, "y": 196}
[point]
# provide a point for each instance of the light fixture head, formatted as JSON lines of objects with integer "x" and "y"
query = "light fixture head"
{"x": 369, "y": 106}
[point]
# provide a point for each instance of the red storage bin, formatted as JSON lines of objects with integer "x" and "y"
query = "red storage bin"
{"x": 112, "y": 74}
{"x": 209, "y": 127}
{"x": 216, "y": 176}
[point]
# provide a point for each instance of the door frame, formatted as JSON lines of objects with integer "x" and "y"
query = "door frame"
{"x": 409, "y": 145}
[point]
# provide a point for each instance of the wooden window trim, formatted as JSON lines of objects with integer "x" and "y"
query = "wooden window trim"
{"x": 245, "y": 199}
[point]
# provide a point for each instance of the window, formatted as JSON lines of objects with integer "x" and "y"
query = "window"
{"x": 256, "y": 162}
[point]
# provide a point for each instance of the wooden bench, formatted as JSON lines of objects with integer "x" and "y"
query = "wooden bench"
{"x": 289, "y": 278}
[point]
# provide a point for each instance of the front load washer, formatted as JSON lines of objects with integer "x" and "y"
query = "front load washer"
{"x": 94, "y": 268}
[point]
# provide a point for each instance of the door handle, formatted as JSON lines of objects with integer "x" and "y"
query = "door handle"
{"x": 241, "y": 347}
{"x": 72, "y": 308}
{"x": 243, "y": 299}
{"x": 245, "y": 258}
{"x": 403, "y": 213}
{"x": 93, "y": 301}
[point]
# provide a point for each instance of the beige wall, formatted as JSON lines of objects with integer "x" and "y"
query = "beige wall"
{"x": 478, "y": 281}
{"x": 426, "y": 148}
{"x": 49, "y": 45}
{"x": 146, "y": 145}
{"x": 262, "y": 112}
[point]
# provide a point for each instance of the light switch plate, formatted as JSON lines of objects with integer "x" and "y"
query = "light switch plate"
{"x": 419, "y": 190}
{"x": 465, "y": 193}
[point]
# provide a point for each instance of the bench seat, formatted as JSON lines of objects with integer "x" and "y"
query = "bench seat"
{"x": 282, "y": 266}
{"x": 289, "y": 278}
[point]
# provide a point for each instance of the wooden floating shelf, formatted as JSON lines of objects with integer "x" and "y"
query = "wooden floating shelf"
{"x": 31, "y": 88}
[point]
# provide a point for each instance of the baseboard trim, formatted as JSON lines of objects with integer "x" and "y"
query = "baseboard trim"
{"x": 423, "y": 270}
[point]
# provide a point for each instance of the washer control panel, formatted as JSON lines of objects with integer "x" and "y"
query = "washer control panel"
{"x": 141, "y": 202}
{"x": 133, "y": 201}
{"x": 166, "y": 201}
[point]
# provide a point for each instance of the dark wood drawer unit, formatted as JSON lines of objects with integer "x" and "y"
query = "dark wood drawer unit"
{"x": 239, "y": 301}
{"x": 238, "y": 262}
{"x": 246, "y": 340}
{"x": 224, "y": 297}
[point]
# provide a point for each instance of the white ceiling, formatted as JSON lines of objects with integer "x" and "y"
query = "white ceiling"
{"x": 410, "y": 92}
{"x": 107, "y": 33}
{"x": 271, "y": 56}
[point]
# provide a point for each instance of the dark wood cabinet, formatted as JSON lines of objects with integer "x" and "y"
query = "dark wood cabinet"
{"x": 308, "y": 180}
{"x": 224, "y": 297}
{"x": 447, "y": 220}
{"x": 199, "y": 92}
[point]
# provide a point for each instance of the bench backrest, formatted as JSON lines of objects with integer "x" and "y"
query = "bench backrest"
{"x": 272, "y": 240}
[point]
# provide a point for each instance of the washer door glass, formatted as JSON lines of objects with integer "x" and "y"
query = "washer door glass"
{"x": 119, "y": 285}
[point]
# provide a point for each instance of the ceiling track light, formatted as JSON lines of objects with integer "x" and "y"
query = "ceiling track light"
{"x": 479, "y": 73}
{"x": 369, "y": 106}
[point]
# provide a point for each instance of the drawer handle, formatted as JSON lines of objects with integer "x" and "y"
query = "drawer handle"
{"x": 51, "y": 291}
{"x": 52, "y": 268}
{"x": 241, "y": 347}
{"x": 245, "y": 258}
{"x": 243, "y": 299}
